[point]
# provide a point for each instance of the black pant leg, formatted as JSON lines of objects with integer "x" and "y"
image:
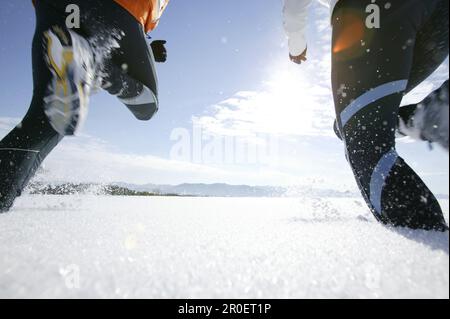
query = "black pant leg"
{"x": 26, "y": 146}
{"x": 132, "y": 69}
{"x": 430, "y": 51}
{"x": 370, "y": 75}
{"x": 431, "y": 45}
{"x": 431, "y": 48}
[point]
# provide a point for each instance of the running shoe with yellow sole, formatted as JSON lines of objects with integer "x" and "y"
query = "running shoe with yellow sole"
{"x": 71, "y": 62}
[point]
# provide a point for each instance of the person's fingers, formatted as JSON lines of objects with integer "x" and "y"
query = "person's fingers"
{"x": 298, "y": 59}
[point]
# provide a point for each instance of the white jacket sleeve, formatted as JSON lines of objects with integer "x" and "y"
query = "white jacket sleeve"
{"x": 295, "y": 14}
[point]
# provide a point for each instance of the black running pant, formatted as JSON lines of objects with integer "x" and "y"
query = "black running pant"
{"x": 127, "y": 69}
{"x": 372, "y": 69}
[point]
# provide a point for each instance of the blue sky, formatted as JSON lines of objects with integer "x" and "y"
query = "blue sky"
{"x": 228, "y": 73}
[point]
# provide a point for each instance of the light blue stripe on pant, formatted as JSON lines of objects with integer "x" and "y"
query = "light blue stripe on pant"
{"x": 370, "y": 97}
{"x": 379, "y": 176}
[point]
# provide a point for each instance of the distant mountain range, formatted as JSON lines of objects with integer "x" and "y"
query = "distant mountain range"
{"x": 209, "y": 190}
{"x": 226, "y": 190}
{"x": 196, "y": 190}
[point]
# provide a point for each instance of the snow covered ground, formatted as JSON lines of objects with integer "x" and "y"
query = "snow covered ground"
{"x": 91, "y": 246}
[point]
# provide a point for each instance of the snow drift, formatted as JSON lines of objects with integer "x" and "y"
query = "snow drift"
{"x": 157, "y": 247}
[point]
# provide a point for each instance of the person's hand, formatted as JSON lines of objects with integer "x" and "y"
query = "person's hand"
{"x": 159, "y": 50}
{"x": 299, "y": 58}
